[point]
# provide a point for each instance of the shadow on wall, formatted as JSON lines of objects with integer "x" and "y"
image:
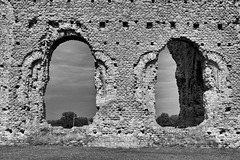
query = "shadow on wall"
{"x": 188, "y": 98}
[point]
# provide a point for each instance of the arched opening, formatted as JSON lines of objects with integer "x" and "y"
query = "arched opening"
{"x": 167, "y": 103}
{"x": 70, "y": 94}
{"x": 189, "y": 79}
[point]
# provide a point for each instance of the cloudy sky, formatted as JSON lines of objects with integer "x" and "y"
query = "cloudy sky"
{"x": 71, "y": 86}
{"x": 166, "y": 88}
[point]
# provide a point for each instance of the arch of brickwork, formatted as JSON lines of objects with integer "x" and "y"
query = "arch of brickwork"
{"x": 125, "y": 38}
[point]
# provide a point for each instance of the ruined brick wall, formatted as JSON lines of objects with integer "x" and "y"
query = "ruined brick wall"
{"x": 126, "y": 37}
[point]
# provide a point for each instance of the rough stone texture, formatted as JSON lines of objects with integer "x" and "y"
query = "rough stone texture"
{"x": 125, "y": 37}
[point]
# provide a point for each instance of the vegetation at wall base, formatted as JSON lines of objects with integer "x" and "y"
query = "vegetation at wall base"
{"x": 165, "y": 120}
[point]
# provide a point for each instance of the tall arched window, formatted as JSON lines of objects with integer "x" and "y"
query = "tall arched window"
{"x": 167, "y": 97}
{"x": 71, "y": 85}
{"x": 189, "y": 63}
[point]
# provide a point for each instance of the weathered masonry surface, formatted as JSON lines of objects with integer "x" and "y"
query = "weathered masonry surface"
{"x": 126, "y": 37}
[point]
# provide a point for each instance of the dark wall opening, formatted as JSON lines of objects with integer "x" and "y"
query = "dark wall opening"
{"x": 189, "y": 80}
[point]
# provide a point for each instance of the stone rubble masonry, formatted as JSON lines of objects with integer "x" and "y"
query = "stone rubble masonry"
{"x": 126, "y": 37}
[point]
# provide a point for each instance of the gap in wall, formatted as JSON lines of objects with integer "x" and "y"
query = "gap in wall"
{"x": 71, "y": 86}
{"x": 167, "y": 97}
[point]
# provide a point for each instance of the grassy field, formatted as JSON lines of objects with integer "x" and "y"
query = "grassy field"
{"x": 163, "y": 153}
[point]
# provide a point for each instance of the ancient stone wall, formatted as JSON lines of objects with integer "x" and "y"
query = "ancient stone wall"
{"x": 126, "y": 37}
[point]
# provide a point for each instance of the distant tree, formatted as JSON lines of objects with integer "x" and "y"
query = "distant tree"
{"x": 81, "y": 121}
{"x": 174, "y": 120}
{"x": 67, "y": 119}
{"x": 55, "y": 122}
{"x": 52, "y": 122}
{"x": 90, "y": 120}
{"x": 163, "y": 120}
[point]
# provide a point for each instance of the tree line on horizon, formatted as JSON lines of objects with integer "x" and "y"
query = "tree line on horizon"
{"x": 70, "y": 119}
{"x": 165, "y": 120}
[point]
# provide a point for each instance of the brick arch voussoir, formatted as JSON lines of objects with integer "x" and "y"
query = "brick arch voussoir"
{"x": 31, "y": 89}
{"x": 217, "y": 60}
{"x": 55, "y": 36}
{"x": 65, "y": 31}
{"x": 145, "y": 71}
{"x": 143, "y": 60}
{"x": 33, "y": 56}
{"x": 106, "y": 86}
{"x": 28, "y": 64}
{"x": 215, "y": 73}
{"x": 108, "y": 61}
{"x": 29, "y": 61}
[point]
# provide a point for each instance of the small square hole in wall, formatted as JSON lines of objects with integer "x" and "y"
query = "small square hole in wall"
{"x": 149, "y": 25}
{"x": 218, "y": 44}
{"x": 229, "y": 65}
{"x": 78, "y": 23}
{"x": 105, "y": 42}
{"x": 196, "y": 25}
{"x": 102, "y": 24}
{"x": 137, "y": 43}
{"x": 4, "y": 16}
{"x": 125, "y": 24}
{"x": 152, "y": 43}
{"x": 54, "y": 24}
{"x": 32, "y": 22}
{"x": 220, "y": 26}
{"x": 237, "y": 21}
{"x": 117, "y": 43}
{"x": 16, "y": 19}
{"x": 173, "y": 24}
